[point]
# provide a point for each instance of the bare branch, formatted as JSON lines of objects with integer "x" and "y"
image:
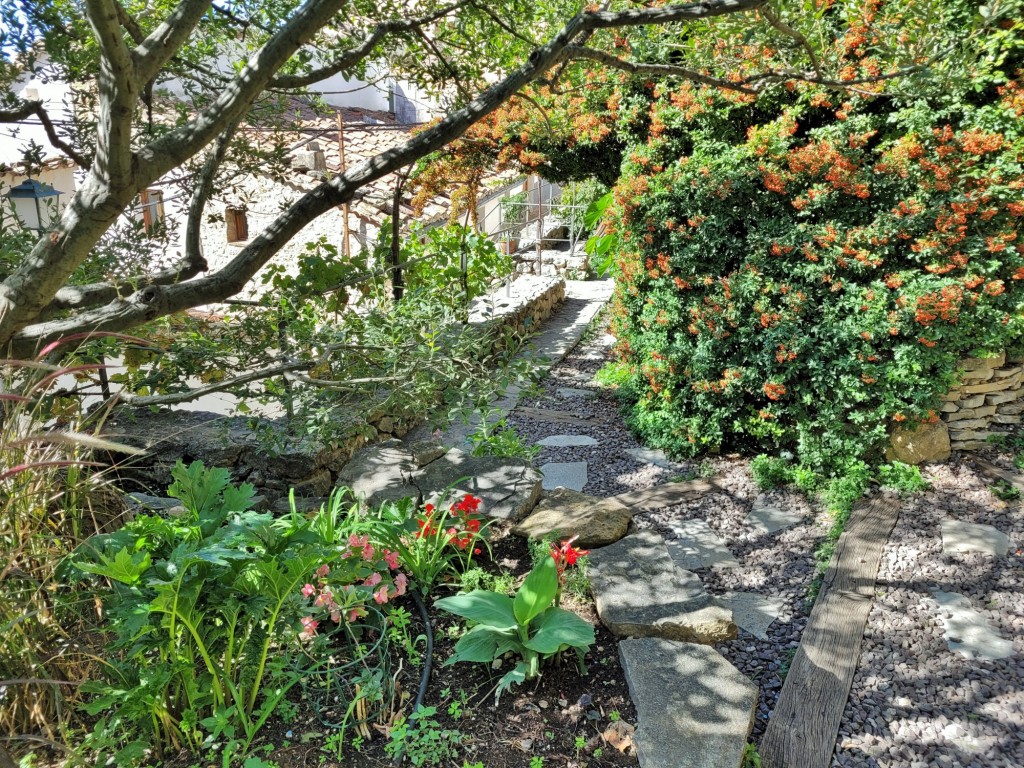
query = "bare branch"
{"x": 787, "y": 30}
{"x": 656, "y": 70}
{"x": 350, "y": 58}
{"x": 130, "y": 24}
{"x": 161, "y": 45}
{"x": 174, "y": 398}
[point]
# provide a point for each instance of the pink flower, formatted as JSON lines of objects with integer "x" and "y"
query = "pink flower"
{"x": 309, "y": 625}
{"x": 356, "y": 613}
{"x": 322, "y": 571}
{"x": 381, "y": 596}
{"x": 400, "y": 583}
{"x": 326, "y": 597}
{"x": 368, "y": 552}
{"x": 372, "y": 580}
{"x": 358, "y": 542}
{"x": 335, "y": 615}
{"x": 308, "y": 590}
{"x": 391, "y": 558}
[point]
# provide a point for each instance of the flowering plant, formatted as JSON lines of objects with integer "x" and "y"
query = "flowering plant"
{"x": 435, "y": 541}
{"x": 565, "y": 555}
{"x": 362, "y": 573}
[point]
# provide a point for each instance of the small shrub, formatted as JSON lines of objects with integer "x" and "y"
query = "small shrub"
{"x": 905, "y": 478}
{"x": 770, "y": 472}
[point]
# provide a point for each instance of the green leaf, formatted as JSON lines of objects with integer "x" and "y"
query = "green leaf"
{"x": 124, "y": 566}
{"x": 483, "y": 607}
{"x": 537, "y": 592}
{"x": 515, "y": 676}
{"x": 480, "y": 644}
{"x": 556, "y": 628}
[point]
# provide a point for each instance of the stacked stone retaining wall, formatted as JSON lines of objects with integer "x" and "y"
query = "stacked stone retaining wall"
{"x": 990, "y": 394}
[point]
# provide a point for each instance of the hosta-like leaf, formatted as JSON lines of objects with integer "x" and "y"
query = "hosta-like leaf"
{"x": 537, "y": 592}
{"x": 480, "y": 644}
{"x": 483, "y": 607}
{"x": 515, "y": 676}
{"x": 556, "y": 628}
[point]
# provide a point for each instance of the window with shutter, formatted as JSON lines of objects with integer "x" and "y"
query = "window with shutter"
{"x": 237, "y": 225}
{"x": 152, "y": 206}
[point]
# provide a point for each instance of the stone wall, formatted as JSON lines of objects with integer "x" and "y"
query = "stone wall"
{"x": 990, "y": 394}
{"x": 310, "y": 467}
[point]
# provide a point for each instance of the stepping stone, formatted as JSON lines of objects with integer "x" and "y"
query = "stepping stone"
{"x": 640, "y": 592}
{"x": 379, "y": 473}
{"x": 652, "y": 456}
{"x": 562, "y": 514}
{"x": 568, "y": 441}
{"x": 665, "y": 495}
{"x": 967, "y": 631}
{"x": 960, "y": 536}
{"x": 509, "y": 487}
{"x": 425, "y": 451}
{"x": 571, "y": 392}
{"x": 564, "y": 474}
{"x": 551, "y": 416}
{"x": 697, "y": 546}
{"x": 769, "y": 518}
{"x": 753, "y": 612}
{"x": 694, "y": 708}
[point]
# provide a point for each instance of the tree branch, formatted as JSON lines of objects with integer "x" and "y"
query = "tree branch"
{"x": 656, "y": 70}
{"x": 28, "y": 108}
{"x": 787, "y": 30}
{"x": 164, "y": 41}
{"x": 130, "y": 24}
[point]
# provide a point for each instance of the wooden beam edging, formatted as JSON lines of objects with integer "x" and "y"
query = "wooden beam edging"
{"x": 992, "y": 472}
{"x": 803, "y": 728}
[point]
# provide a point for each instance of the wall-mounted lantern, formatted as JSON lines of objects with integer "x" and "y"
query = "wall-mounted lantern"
{"x": 32, "y": 204}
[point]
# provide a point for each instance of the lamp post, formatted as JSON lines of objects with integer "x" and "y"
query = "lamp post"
{"x": 30, "y": 200}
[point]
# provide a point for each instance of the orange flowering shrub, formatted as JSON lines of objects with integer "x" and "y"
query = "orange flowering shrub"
{"x": 835, "y": 253}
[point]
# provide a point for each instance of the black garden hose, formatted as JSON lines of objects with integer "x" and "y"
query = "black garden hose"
{"x": 425, "y": 675}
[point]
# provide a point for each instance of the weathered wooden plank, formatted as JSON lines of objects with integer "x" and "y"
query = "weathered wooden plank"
{"x": 665, "y": 495}
{"x": 803, "y": 728}
{"x": 990, "y": 470}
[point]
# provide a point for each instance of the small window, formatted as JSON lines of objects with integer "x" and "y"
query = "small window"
{"x": 152, "y": 206}
{"x": 31, "y": 94}
{"x": 238, "y": 225}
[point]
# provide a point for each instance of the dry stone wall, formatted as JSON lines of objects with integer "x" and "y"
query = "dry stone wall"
{"x": 990, "y": 394}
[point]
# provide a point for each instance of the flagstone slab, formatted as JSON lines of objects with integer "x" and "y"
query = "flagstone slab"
{"x": 508, "y": 487}
{"x": 573, "y": 392}
{"x": 568, "y": 441}
{"x": 653, "y": 456}
{"x": 967, "y": 630}
{"x": 563, "y": 513}
{"x": 697, "y": 546}
{"x": 961, "y": 536}
{"x": 694, "y": 708}
{"x": 768, "y": 517}
{"x": 640, "y": 592}
{"x": 379, "y": 473}
{"x": 564, "y": 474}
{"x": 554, "y": 416}
{"x": 753, "y": 612}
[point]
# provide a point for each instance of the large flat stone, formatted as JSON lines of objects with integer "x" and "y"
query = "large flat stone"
{"x": 967, "y": 631}
{"x": 961, "y": 536}
{"x": 574, "y": 392}
{"x": 769, "y": 518}
{"x": 564, "y": 474}
{"x": 640, "y": 592}
{"x": 379, "y": 473}
{"x": 508, "y": 487}
{"x": 697, "y": 546}
{"x": 753, "y": 612}
{"x": 567, "y": 441}
{"x": 653, "y": 456}
{"x": 694, "y": 708}
{"x": 666, "y": 495}
{"x": 563, "y": 513}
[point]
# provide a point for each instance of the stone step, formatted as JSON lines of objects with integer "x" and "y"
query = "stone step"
{"x": 766, "y": 517}
{"x": 563, "y": 514}
{"x": 567, "y": 441}
{"x": 967, "y": 631}
{"x": 961, "y": 536}
{"x": 640, "y": 592}
{"x": 666, "y": 495}
{"x": 696, "y": 545}
{"x": 653, "y": 456}
{"x": 694, "y": 708}
{"x": 564, "y": 474}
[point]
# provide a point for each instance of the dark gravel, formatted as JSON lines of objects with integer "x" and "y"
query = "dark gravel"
{"x": 914, "y": 703}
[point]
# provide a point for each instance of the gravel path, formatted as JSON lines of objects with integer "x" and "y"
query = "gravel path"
{"x": 914, "y": 703}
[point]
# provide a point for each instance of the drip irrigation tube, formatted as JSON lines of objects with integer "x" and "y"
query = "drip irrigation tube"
{"x": 425, "y": 676}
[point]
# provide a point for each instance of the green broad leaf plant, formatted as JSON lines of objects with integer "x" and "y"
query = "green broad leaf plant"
{"x": 210, "y": 612}
{"x": 531, "y": 625}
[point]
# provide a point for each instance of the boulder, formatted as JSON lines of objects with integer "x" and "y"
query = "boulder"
{"x": 563, "y": 513}
{"x": 379, "y": 473}
{"x": 929, "y": 442}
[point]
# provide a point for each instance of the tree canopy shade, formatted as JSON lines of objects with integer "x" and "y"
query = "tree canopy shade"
{"x": 236, "y": 58}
